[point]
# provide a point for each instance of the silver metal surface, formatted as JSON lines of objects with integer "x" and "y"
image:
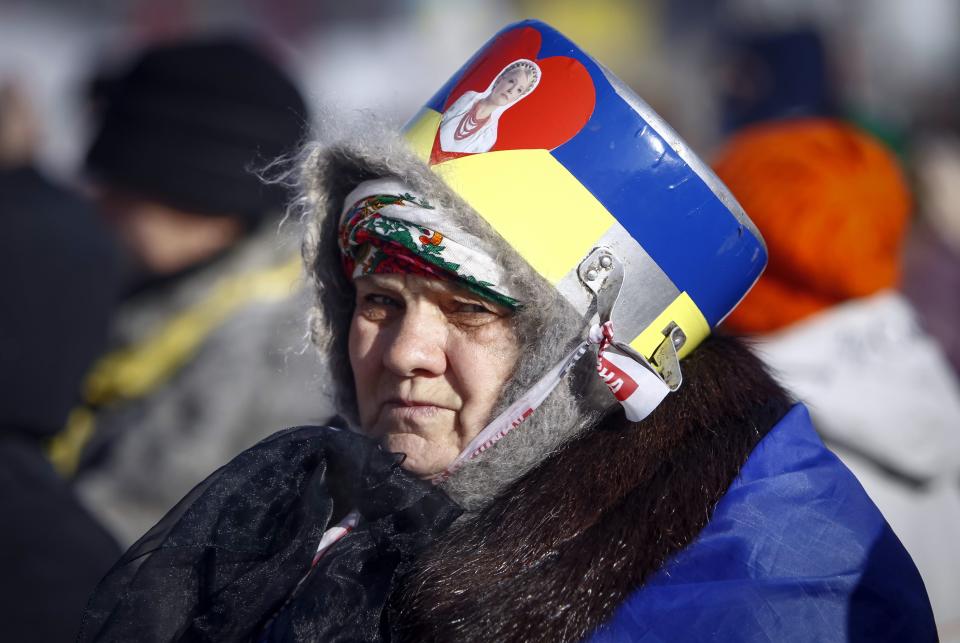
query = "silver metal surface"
{"x": 597, "y": 267}
{"x": 689, "y": 157}
{"x": 666, "y": 358}
{"x": 646, "y": 289}
{"x": 679, "y": 337}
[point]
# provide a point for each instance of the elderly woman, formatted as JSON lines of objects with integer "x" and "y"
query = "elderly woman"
{"x": 527, "y": 458}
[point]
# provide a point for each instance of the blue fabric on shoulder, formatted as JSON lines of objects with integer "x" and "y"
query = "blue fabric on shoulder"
{"x": 795, "y": 551}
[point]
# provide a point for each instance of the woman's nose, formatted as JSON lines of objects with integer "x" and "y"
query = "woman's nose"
{"x": 418, "y": 347}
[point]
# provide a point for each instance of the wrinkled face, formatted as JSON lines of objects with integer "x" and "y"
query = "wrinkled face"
{"x": 510, "y": 87}
{"x": 429, "y": 360}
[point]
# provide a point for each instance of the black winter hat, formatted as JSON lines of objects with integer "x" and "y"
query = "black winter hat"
{"x": 190, "y": 123}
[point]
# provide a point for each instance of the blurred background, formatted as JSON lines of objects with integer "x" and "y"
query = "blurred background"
{"x": 125, "y": 395}
{"x": 892, "y": 64}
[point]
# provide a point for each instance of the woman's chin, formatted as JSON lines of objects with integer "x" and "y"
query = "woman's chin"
{"x": 424, "y": 458}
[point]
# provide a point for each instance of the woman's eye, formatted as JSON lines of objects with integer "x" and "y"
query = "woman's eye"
{"x": 381, "y": 300}
{"x": 378, "y": 307}
{"x": 472, "y": 308}
{"x": 469, "y": 313}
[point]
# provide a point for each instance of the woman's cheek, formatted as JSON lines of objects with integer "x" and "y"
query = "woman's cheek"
{"x": 363, "y": 362}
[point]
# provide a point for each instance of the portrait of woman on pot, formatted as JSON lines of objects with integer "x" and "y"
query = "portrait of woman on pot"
{"x": 469, "y": 125}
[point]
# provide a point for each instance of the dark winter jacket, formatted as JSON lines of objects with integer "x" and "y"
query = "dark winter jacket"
{"x": 720, "y": 517}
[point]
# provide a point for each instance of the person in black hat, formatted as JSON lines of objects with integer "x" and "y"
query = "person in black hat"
{"x": 206, "y": 345}
{"x": 59, "y": 278}
{"x": 180, "y": 138}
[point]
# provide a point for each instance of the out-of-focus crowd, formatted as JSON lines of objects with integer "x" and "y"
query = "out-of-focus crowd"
{"x": 154, "y": 320}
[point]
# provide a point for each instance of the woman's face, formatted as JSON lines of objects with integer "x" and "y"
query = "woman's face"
{"x": 429, "y": 360}
{"x": 509, "y": 87}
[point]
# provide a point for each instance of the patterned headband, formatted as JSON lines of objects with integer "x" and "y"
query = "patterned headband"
{"x": 385, "y": 227}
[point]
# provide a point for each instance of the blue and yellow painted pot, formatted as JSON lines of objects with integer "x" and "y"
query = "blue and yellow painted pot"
{"x": 561, "y": 157}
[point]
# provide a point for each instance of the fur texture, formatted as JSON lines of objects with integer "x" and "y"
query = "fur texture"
{"x": 554, "y": 555}
{"x": 546, "y": 326}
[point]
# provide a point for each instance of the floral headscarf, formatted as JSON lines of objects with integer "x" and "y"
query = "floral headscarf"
{"x": 385, "y": 228}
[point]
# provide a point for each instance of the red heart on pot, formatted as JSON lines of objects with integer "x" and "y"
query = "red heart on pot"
{"x": 483, "y": 112}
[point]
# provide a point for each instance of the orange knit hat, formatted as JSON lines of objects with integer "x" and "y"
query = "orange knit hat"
{"x": 831, "y": 203}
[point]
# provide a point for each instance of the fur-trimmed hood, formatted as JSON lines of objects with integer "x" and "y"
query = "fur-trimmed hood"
{"x": 546, "y": 325}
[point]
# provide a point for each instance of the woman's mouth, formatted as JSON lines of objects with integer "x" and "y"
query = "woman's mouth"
{"x": 410, "y": 409}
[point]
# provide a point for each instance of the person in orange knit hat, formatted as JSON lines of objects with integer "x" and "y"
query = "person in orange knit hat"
{"x": 834, "y": 207}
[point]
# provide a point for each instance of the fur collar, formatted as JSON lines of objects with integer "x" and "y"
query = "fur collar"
{"x": 553, "y": 556}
